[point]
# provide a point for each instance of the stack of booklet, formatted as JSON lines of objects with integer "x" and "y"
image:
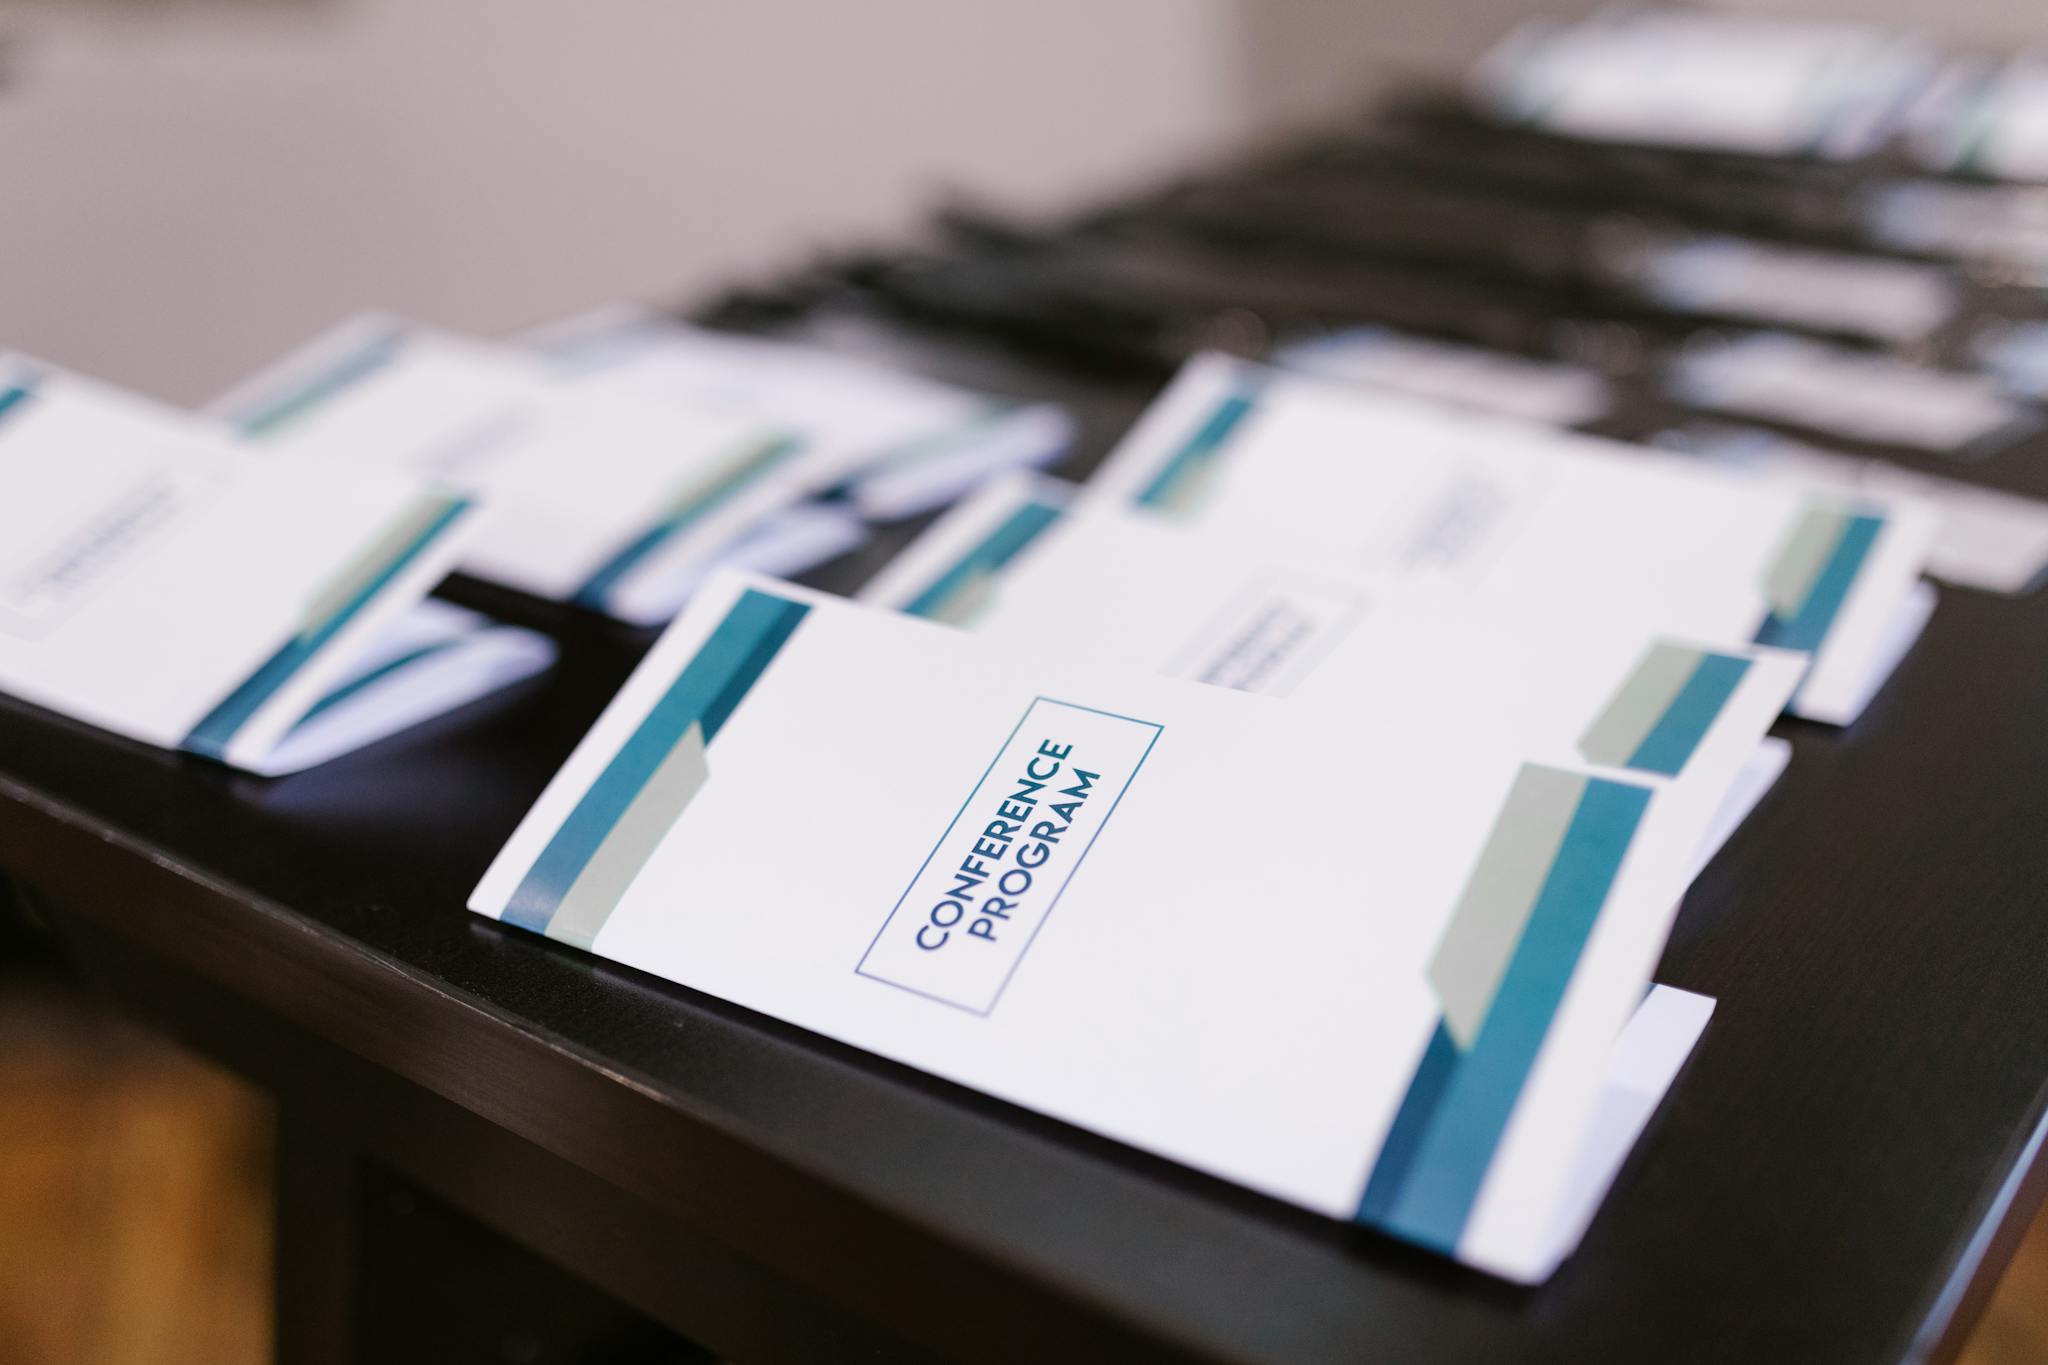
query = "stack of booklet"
{"x": 251, "y": 582}
{"x": 1305, "y": 799}
{"x": 623, "y": 454}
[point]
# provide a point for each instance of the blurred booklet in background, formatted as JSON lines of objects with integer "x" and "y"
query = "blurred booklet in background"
{"x": 1527, "y": 521}
{"x": 1424, "y": 991}
{"x": 1706, "y": 81}
{"x": 610, "y": 500}
{"x": 897, "y": 444}
{"x": 1987, "y": 119}
{"x": 160, "y": 581}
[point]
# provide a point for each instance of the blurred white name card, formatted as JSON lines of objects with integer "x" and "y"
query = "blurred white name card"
{"x": 159, "y": 581}
{"x": 1529, "y": 522}
{"x": 1037, "y": 877}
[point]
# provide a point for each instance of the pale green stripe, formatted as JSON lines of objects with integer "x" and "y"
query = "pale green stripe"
{"x": 373, "y": 560}
{"x": 1798, "y": 566}
{"x": 967, "y": 599}
{"x": 703, "y": 483}
{"x": 1192, "y": 489}
{"x": 602, "y": 883}
{"x": 1642, "y": 701}
{"x": 1480, "y": 940}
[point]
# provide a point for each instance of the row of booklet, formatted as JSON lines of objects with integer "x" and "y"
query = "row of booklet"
{"x": 1305, "y": 798}
{"x": 1404, "y": 728}
{"x": 250, "y": 582}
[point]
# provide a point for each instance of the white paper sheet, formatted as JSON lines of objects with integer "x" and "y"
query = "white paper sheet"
{"x": 431, "y": 661}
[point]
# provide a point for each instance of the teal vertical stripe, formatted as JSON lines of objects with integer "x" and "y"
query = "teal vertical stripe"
{"x": 371, "y": 356}
{"x": 1805, "y": 629}
{"x": 213, "y": 733}
{"x": 1002, "y": 545}
{"x": 705, "y": 693}
{"x": 1452, "y": 1119}
{"x": 597, "y": 589}
{"x": 1691, "y": 714}
{"x": 1200, "y": 448}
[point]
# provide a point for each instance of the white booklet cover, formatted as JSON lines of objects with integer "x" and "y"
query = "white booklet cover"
{"x": 160, "y": 581}
{"x": 609, "y": 500}
{"x": 899, "y": 443}
{"x": 1532, "y": 522}
{"x": 1038, "y": 877}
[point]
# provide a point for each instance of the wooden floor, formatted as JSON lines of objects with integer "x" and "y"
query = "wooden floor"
{"x": 134, "y": 1196}
{"x": 134, "y": 1204}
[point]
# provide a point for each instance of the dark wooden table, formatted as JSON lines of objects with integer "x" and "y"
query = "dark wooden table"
{"x": 1836, "y": 1176}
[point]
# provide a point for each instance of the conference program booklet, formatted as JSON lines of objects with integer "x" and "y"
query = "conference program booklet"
{"x": 1374, "y": 965}
{"x": 159, "y": 581}
{"x": 613, "y": 501}
{"x": 1533, "y": 522}
{"x": 895, "y": 444}
{"x": 1020, "y": 563}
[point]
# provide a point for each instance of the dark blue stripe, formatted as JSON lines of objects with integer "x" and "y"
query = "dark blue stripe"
{"x": 1002, "y": 545}
{"x": 1411, "y": 1124}
{"x": 1200, "y": 448}
{"x": 1446, "y": 1162}
{"x": 213, "y": 734}
{"x": 728, "y": 663}
{"x": 1692, "y": 713}
{"x": 1806, "y": 628}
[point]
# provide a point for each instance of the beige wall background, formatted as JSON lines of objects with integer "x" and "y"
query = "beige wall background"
{"x": 193, "y": 185}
